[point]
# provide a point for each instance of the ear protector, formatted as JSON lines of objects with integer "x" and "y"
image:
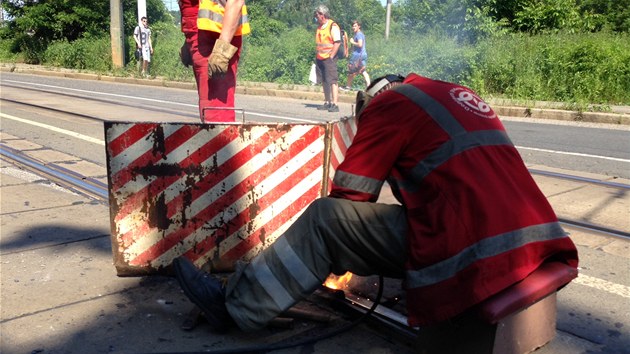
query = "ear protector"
{"x": 379, "y": 83}
{"x": 364, "y": 97}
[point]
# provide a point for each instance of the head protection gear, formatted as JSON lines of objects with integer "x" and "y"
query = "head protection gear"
{"x": 364, "y": 97}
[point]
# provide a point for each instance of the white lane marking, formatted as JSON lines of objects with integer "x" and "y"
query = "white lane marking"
{"x": 604, "y": 285}
{"x": 296, "y": 119}
{"x": 287, "y": 118}
{"x": 55, "y": 129}
{"x": 101, "y": 142}
{"x": 573, "y": 154}
{"x": 154, "y": 100}
{"x": 105, "y": 93}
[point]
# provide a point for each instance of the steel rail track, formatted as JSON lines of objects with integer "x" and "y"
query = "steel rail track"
{"x": 590, "y": 227}
{"x": 392, "y": 319}
{"x": 171, "y": 111}
{"x": 579, "y": 179}
{"x": 62, "y": 176}
{"x": 243, "y": 113}
{"x": 56, "y": 110}
{"x": 99, "y": 191}
{"x": 596, "y": 229}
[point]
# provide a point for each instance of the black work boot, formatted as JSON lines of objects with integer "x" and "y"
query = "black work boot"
{"x": 324, "y": 107}
{"x": 204, "y": 291}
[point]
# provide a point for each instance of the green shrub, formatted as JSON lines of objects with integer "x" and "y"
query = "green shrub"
{"x": 434, "y": 56}
{"x": 593, "y": 69}
{"x": 6, "y": 54}
{"x": 571, "y": 68}
{"x": 91, "y": 53}
{"x": 167, "y": 39}
{"x": 509, "y": 66}
{"x": 286, "y": 58}
{"x": 576, "y": 68}
{"x": 30, "y": 47}
{"x": 60, "y": 53}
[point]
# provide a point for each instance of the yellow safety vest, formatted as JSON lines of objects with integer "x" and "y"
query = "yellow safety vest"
{"x": 210, "y": 17}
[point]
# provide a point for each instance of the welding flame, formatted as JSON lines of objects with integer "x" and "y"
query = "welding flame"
{"x": 338, "y": 282}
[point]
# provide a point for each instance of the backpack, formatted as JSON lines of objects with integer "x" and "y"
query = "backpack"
{"x": 342, "y": 52}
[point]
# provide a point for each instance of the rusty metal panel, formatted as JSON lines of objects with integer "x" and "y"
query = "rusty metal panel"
{"x": 214, "y": 193}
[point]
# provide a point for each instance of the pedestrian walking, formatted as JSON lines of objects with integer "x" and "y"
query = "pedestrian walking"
{"x": 357, "y": 64}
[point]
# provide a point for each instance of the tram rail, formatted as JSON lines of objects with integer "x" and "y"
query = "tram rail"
{"x": 173, "y": 112}
{"x": 61, "y": 176}
{"x": 579, "y": 179}
{"x": 98, "y": 191}
{"x": 391, "y": 319}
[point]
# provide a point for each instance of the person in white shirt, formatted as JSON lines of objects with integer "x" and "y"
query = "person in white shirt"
{"x": 142, "y": 36}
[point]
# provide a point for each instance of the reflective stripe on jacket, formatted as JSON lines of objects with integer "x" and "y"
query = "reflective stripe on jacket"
{"x": 324, "y": 40}
{"x": 210, "y": 17}
{"x": 478, "y": 222}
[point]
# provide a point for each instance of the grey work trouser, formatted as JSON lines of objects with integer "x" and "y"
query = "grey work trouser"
{"x": 331, "y": 236}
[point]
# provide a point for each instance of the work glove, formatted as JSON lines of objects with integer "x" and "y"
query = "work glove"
{"x": 184, "y": 55}
{"x": 220, "y": 58}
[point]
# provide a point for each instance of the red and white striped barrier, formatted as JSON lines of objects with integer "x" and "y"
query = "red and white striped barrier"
{"x": 343, "y": 133}
{"x": 214, "y": 193}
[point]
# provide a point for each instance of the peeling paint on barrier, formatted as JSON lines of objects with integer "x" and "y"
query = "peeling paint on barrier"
{"x": 214, "y": 193}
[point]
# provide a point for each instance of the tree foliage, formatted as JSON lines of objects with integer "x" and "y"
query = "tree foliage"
{"x": 34, "y": 24}
{"x": 473, "y": 19}
{"x": 299, "y": 13}
{"x": 536, "y": 16}
{"x": 615, "y": 14}
{"x": 50, "y": 20}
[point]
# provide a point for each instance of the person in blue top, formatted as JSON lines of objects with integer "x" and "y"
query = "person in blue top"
{"x": 358, "y": 59}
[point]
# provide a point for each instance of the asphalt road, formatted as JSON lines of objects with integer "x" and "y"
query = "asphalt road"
{"x": 587, "y": 147}
{"x": 59, "y": 290}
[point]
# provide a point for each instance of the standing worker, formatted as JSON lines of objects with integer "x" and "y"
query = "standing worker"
{"x": 142, "y": 36}
{"x": 189, "y": 10}
{"x": 328, "y": 40}
{"x": 471, "y": 220}
{"x": 214, "y": 42}
{"x": 358, "y": 59}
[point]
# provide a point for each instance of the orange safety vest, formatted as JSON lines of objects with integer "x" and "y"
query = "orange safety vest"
{"x": 210, "y": 17}
{"x": 324, "y": 40}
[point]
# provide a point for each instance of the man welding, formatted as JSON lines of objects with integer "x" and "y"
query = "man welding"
{"x": 471, "y": 220}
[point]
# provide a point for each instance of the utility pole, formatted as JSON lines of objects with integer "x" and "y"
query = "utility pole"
{"x": 116, "y": 33}
{"x": 142, "y": 10}
{"x": 389, "y": 13}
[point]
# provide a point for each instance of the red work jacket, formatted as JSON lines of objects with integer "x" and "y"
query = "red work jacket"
{"x": 189, "y": 10}
{"x": 477, "y": 221}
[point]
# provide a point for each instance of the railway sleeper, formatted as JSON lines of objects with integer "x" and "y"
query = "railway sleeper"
{"x": 517, "y": 320}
